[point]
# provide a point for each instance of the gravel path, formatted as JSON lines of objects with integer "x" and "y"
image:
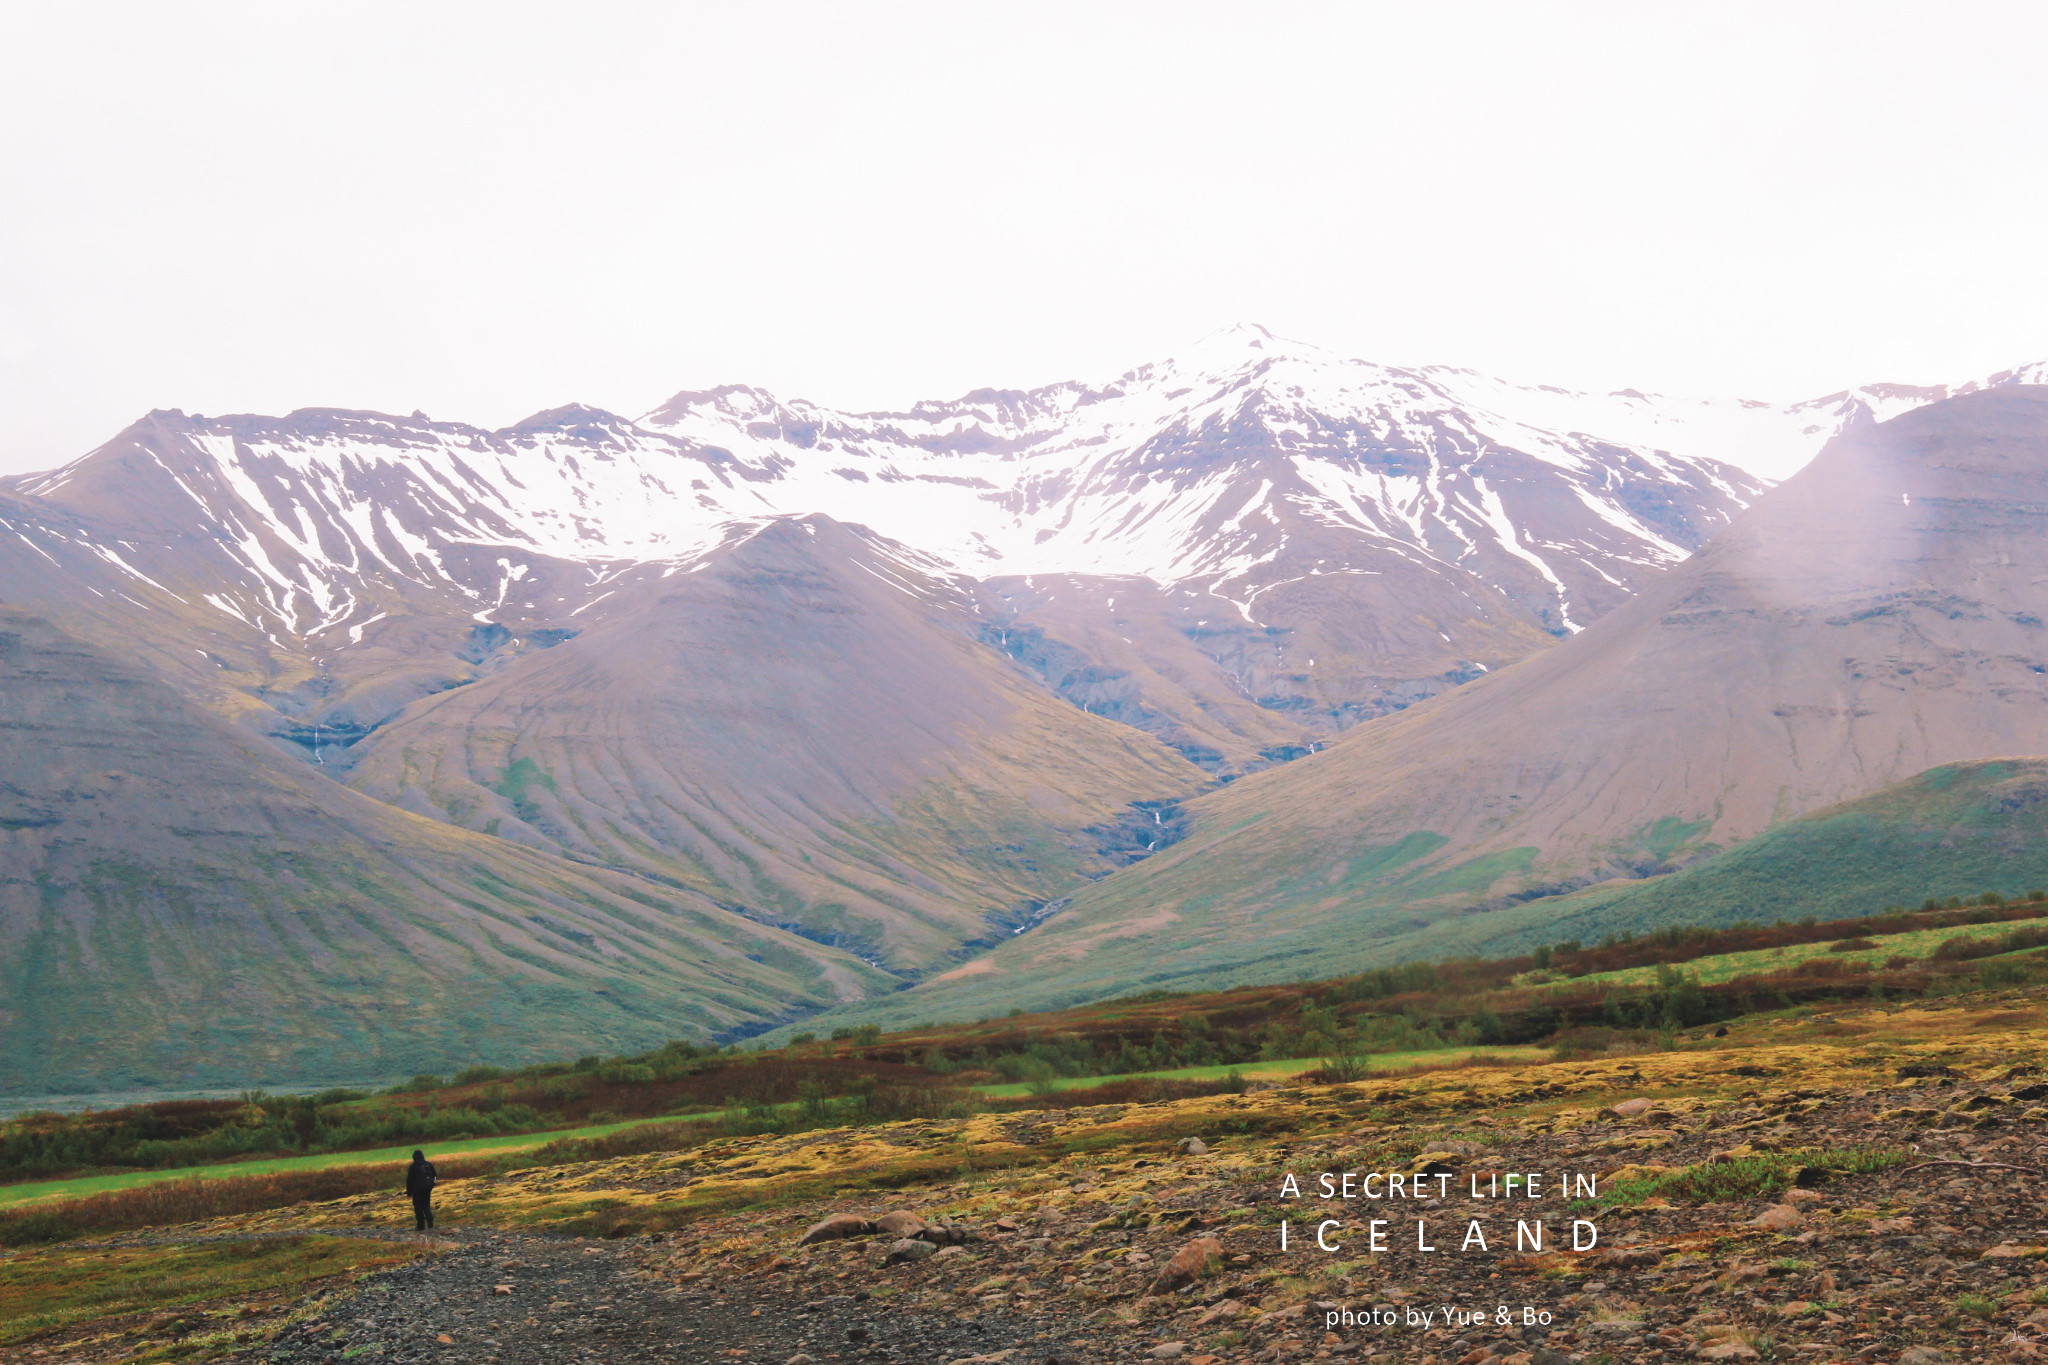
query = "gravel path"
{"x": 591, "y": 1303}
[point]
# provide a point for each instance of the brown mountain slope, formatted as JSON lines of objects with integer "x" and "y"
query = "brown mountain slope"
{"x": 806, "y": 728}
{"x": 178, "y": 906}
{"x": 1878, "y": 614}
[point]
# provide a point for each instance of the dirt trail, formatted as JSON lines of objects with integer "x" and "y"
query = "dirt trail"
{"x": 598, "y": 1302}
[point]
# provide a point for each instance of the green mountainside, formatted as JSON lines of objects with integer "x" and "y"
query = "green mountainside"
{"x": 180, "y": 907}
{"x": 1962, "y": 829}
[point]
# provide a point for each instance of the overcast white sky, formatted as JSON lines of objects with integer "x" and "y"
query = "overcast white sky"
{"x": 483, "y": 210}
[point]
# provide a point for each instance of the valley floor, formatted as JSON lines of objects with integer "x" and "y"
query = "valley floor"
{"x": 1857, "y": 1183}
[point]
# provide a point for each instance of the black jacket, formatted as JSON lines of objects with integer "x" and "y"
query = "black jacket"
{"x": 419, "y": 1178}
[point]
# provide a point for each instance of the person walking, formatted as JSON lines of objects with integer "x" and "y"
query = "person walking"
{"x": 419, "y": 1183}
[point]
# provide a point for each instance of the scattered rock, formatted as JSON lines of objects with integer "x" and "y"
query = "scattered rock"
{"x": 901, "y": 1223}
{"x": 2012, "y": 1251}
{"x": 1923, "y": 1355}
{"x": 839, "y": 1225}
{"x": 506, "y": 1288}
{"x": 1437, "y": 1161}
{"x": 1191, "y": 1146}
{"x": 1628, "y": 1109}
{"x": 1226, "y": 1311}
{"x": 1169, "y": 1350}
{"x": 1282, "y": 1317}
{"x": 800, "y": 1358}
{"x": 1189, "y": 1264}
{"x": 1778, "y": 1218}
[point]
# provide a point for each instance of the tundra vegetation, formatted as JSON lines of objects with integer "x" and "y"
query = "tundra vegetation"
{"x": 1726, "y": 1076}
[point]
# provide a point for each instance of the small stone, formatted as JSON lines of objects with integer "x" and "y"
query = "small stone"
{"x": 445, "y": 1339}
{"x": 1192, "y": 1146}
{"x": 800, "y": 1358}
{"x": 1726, "y": 1350}
{"x": 1006, "y": 1225}
{"x": 1923, "y": 1355}
{"x": 501, "y": 1289}
{"x": 1628, "y": 1109}
{"x": 2010, "y": 1251}
{"x": 1169, "y": 1350}
{"x": 1222, "y": 1312}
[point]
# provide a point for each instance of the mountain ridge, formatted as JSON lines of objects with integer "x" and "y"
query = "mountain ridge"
{"x": 1859, "y": 624}
{"x": 826, "y": 680}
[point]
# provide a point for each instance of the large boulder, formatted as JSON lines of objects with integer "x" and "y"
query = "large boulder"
{"x": 946, "y": 1234}
{"x": 909, "y": 1249}
{"x": 839, "y": 1225}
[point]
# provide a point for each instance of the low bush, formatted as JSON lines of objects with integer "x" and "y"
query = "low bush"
{"x": 169, "y": 1202}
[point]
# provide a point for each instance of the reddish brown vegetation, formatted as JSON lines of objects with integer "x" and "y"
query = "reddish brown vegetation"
{"x": 169, "y": 1202}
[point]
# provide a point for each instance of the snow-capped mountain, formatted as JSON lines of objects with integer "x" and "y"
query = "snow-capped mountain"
{"x": 749, "y": 702}
{"x": 1318, "y": 538}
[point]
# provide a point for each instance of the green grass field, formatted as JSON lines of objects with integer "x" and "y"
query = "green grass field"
{"x": 1727, "y": 966}
{"x": 1274, "y": 1071}
{"x": 516, "y": 1142}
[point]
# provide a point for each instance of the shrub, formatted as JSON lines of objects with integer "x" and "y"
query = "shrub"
{"x": 1347, "y": 1062}
{"x": 189, "y": 1201}
{"x": 2000, "y": 973}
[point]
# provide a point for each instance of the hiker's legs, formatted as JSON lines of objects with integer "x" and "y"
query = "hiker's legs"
{"x": 422, "y": 1212}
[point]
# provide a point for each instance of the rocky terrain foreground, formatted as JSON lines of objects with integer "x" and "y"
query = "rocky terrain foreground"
{"x": 1861, "y": 1184}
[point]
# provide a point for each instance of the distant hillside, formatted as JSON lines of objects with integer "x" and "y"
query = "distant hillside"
{"x": 1875, "y": 616}
{"x": 1957, "y": 830}
{"x": 805, "y": 729}
{"x": 179, "y": 907}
